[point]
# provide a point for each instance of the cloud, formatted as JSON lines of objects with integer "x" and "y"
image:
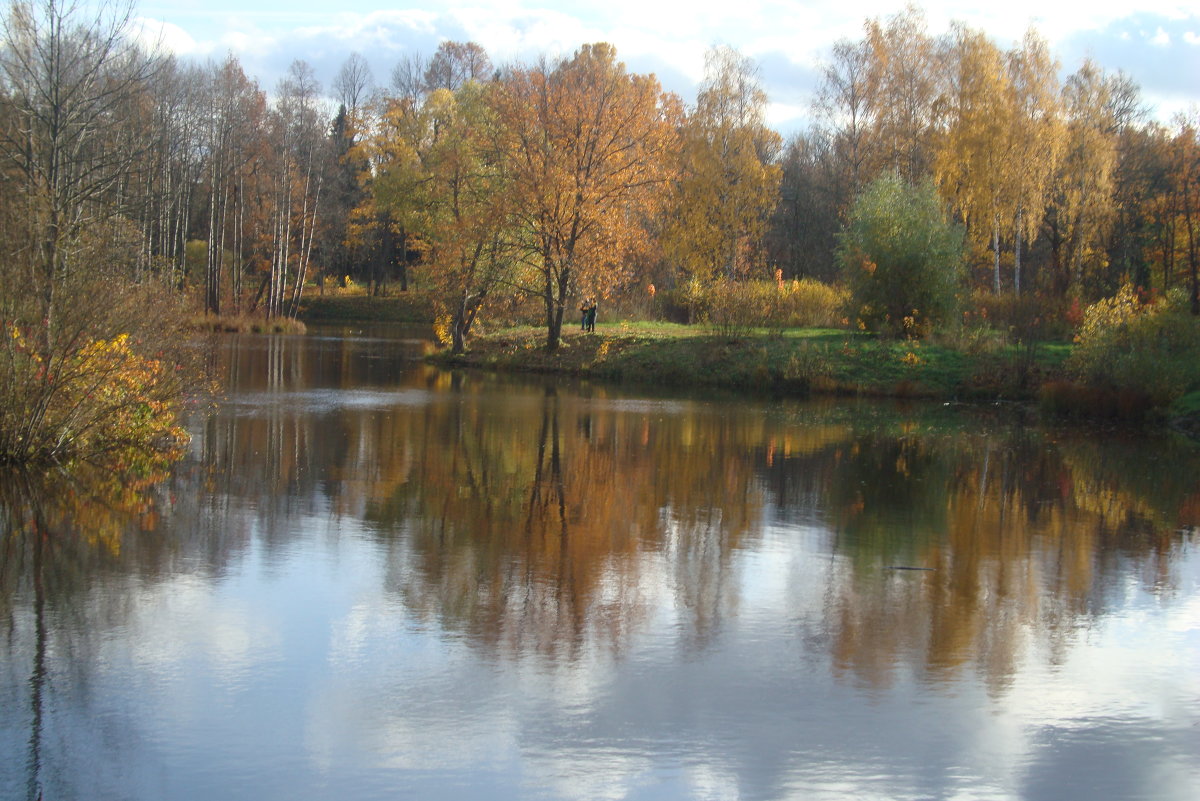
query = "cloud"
{"x": 1157, "y": 46}
{"x": 156, "y": 35}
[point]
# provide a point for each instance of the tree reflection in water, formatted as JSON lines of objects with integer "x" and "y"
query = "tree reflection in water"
{"x": 550, "y": 519}
{"x": 548, "y": 524}
{"x": 58, "y": 527}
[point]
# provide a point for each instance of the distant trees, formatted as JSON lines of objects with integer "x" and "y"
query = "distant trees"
{"x": 1061, "y": 186}
{"x": 233, "y": 140}
{"x": 556, "y": 179}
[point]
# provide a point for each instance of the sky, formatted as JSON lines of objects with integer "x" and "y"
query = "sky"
{"x": 1156, "y": 43}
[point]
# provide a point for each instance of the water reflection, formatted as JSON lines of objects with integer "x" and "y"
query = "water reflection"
{"x": 371, "y": 574}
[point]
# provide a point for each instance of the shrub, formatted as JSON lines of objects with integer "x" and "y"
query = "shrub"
{"x": 103, "y": 375}
{"x": 1127, "y": 346}
{"x": 1021, "y": 318}
{"x": 93, "y": 398}
{"x": 806, "y": 303}
{"x": 727, "y": 310}
{"x": 901, "y": 257}
{"x": 734, "y": 308}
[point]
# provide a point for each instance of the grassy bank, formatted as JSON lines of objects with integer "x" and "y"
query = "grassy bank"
{"x": 245, "y": 324}
{"x": 799, "y": 361}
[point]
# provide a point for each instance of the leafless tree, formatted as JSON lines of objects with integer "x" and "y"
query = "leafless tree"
{"x": 353, "y": 82}
{"x": 456, "y": 63}
{"x": 69, "y": 83}
{"x": 408, "y": 76}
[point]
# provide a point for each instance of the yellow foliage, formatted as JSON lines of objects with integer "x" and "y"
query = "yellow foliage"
{"x": 99, "y": 398}
{"x": 732, "y": 306}
{"x": 443, "y": 327}
{"x": 1108, "y": 314}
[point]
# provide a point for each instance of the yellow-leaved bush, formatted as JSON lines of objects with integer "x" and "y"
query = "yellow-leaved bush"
{"x": 1152, "y": 349}
{"x": 735, "y": 307}
{"x": 92, "y": 398}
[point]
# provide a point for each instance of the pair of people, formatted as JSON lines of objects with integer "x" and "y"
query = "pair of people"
{"x": 588, "y": 310}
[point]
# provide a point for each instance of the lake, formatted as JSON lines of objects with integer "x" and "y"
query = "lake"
{"x": 373, "y": 579}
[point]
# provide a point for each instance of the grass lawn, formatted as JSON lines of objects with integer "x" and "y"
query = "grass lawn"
{"x": 794, "y": 361}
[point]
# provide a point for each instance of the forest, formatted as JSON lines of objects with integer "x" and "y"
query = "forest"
{"x": 140, "y": 190}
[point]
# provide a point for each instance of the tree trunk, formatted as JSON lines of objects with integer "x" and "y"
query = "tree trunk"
{"x": 1017, "y": 255}
{"x": 1188, "y": 216}
{"x": 404, "y": 260}
{"x": 553, "y": 322}
{"x": 996, "y": 250}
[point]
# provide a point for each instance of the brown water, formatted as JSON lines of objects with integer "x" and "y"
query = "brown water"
{"x": 373, "y": 580}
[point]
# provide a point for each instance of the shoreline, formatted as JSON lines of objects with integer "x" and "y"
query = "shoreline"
{"x": 830, "y": 362}
{"x": 797, "y": 363}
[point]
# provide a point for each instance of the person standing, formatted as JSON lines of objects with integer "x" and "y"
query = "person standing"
{"x": 590, "y": 316}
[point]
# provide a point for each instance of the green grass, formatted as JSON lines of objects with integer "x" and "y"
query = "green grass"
{"x": 1187, "y": 405}
{"x": 797, "y": 362}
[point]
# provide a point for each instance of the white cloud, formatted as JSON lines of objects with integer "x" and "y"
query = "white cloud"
{"x": 240, "y": 42}
{"x": 663, "y": 38}
{"x": 156, "y": 35}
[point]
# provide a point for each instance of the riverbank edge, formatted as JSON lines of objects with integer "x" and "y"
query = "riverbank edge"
{"x": 817, "y": 363}
{"x": 801, "y": 363}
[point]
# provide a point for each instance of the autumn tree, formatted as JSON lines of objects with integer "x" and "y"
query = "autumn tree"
{"x": 392, "y": 205}
{"x": 847, "y": 103}
{"x": 300, "y": 168}
{"x": 584, "y": 144}
{"x": 729, "y": 181}
{"x": 461, "y": 191}
{"x": 1184, "y": 182}
{"x": 172, "y": 169}
{"x": 75, "y": 134}
{"x": 903, "y": 76}
{"x": 1097, "y": 108}
{"x": 1036, "y": 139}
{"x": 235, "y": 114}
{"x": 353, "y": 87}
{"x": 975, "y": 161}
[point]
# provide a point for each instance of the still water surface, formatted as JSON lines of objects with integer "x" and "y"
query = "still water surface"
{"x": 370, "y": 579}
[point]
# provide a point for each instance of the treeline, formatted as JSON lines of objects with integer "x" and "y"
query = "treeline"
{"x": 1064, "y": 185}
{"x": 559, "y": 180}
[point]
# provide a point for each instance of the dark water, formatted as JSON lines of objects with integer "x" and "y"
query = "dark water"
{"x": 373, "y": 580}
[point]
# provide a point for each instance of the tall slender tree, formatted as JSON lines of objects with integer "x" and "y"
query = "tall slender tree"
{"x": 1036, "y": 139}
{"x": 729, "y": 179}
{"x": 974, "y": 164}
{"x": 904, "y": 75}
